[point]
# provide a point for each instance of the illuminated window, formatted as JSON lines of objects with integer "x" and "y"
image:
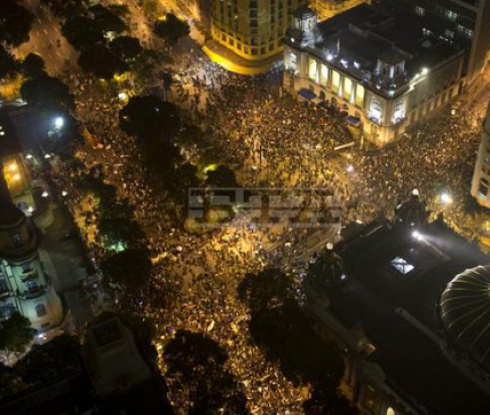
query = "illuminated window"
{"x": 335, "y": 81}
{"x": 451, "y": 15}
{"x": 359, "y": 95}
{"x": 348, "y": 87}
{"x": 399, "y": 113}
{"x": 324, "y": 75}
{"x": 312, "y": 69}
{"x": 375, "y": 110}
{"x": 401, "y": 265}
{"x": 420, "y": 11}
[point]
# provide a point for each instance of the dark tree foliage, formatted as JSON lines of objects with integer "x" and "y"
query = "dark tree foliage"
{"x": 10, "y": 381}
{"x": 130, "y": 269}
{"x": 9, "y": 66}
{"x": 101, "y": 62}
{"x": 33, "y": 66}
{"x": 106, "y": 21}
{"x": 171, "y": 29}
{"x": 120, "y": 10}
{"x": 67, "y": 8}
{"x": 51, "y": 361}
{"x": 15, "y": 333}
{"x": 120, "y": 230}
{"x": 223, "y": 176}
{"x": 150, "y": 118}
{"x": 126, "y": 47}
{"x": 48, "y": 92}
{"x": 199, "y": 363}
{"x": 15, "y": 22}
{"x": 285, "y": 335}
{"x": 81, "y": 32}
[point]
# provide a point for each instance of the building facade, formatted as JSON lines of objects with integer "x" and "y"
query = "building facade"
{"x": 480, "y": 185}
{"x": 24, "y": 285}
{"x": 465, "y": 22}
{"x": 325, "y": 9}
{"x": 372, "y": 67}
{"x": 252, "y": 29}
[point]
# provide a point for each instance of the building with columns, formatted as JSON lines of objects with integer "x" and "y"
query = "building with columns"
{"x": 326, "y": 9}
{"x": 24, "y": 285}
{"x": 380, "y": 71}
{"x": 406, "y": 303}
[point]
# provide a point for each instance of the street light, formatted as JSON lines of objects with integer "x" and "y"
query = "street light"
{"x": 350, "y": 168}
{"x": 417, "y": 235}
{"x": 59, "y": 122}
{"x": 446, "y": 198}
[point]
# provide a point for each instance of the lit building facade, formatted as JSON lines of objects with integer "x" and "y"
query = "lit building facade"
{"x": 371, "y": 67}
{"x": 24, "y": 285}
{"x": 480, "y": 185}
{"x": 252, "y": 29}
{"x": 465, "y": 22}
{"x": 326, "y": 9}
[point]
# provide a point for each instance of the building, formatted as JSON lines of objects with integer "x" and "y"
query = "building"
{"x": 201, "y": 11}
{"x": 24, "y": 284}
{"x": 379, "y": 71}
{"x": 480, "y": 185}
{"x": 406, "y": 303}
{"x": 463, "y": 22}
{"x": 325, "y": 9}
{"x": 250, "y": 32}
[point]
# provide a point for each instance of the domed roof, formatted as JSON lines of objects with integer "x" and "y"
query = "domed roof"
{"x": 465, "y": 313}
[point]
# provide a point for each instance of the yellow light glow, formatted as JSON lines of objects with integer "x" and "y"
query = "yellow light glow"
{"x": 324, "y": 75}
{"x": 16, "y": 177}
{"x": 347, "y": 88}
{"x": 13, "y": 167}
{"x": 312, "y": 71}
{"x": 335, "y": 81}
{"x": 359, "y": 95}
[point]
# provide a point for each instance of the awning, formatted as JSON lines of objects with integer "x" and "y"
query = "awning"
{"x": 356, "y": 122}
{"x": 307, "y": 94}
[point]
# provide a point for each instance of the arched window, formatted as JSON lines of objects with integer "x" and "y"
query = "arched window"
{"x": 41, "y": 310}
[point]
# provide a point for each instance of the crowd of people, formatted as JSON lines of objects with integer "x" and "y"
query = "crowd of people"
{"x": 271, "y": 141}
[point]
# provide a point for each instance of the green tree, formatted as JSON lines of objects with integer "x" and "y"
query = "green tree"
{"x": 15, "y": 334}
{"x": 120, "y": 232}
{"x": 129, "y": 269}
{"x": 106, "y": 21}
{"x": 15, "y": 23}
{"x": 126, "y": 47}
{"x": 48, "y": 92}
{"x": 101, "y": 62}
{"x": 81, "y": 32}
{"x": 150, "y": 118}
{"x": 171, "y": 29}
{"x": 67, "y": 8}
{"x": 9, "y": 66}
{"x": 33, "y": 66}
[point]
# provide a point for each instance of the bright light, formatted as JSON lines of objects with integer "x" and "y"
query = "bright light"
{"x": 29, "y": 157}
{"x": 16, "y": 177}
{"x": 64, "y": 193}
{"x": 446, "y": 198}
{"x": 59, "y": 122}
{"x": 415, "y": 192}
{"x": 122, "y": 96}
{"x": 47, "y": 156}
{"x": 425, "y": 71}
{"x": 350, "y": 168}
{"x": 45, "y": 194}
{"x": 13, "y": 167}
{"x": 417, "y": 235}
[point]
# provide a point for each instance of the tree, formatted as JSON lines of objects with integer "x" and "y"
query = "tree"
{"x": 8, "y": 64}
{"x": 149, "y": 117}
{"x": 66, "y": 8}
{"x": 106, "y": 21}
{"x": 81, "y": 32}
{"x": 15, "y": 23}
{"x": 120, "y": 10}
{"x": 48, "y": 92}
{"x": 130, "y": 269}
{"x": 171, "y": 29}
{"x": 223, "y": 176}
{"x": 33, "y": 66}
{"x": 100, "y": 61}
{"x": 126, "y": 47}
{"x": 120, "y": 232}
{"x": 15, "y": 334}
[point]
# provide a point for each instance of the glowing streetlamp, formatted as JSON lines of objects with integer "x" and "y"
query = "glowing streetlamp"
{"x": 446, "y": 198}
{"x": 59, "y": 122}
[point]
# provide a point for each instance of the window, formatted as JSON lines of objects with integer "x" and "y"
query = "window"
{"x": 375, "y": 110}
{"x": 26, "y": 267}
{"x": 16, "y": 239}
{"x": 3, "y": 286}
{"x": 401, "y": 265}
{"x": 359, "y": 95}
{"x": 324, "y": 75}
{"x": 335, "y": 81}
{"x": 32, "y": 286}
{"x": 449, "y": 33}
{"x": 420, "y": 11}
{"x": 41, "y": 310}
{"x": 6, "y": 310}
{"x": 348, "y": 88}
{"x": 483, "y": 189}
{"x": 399, "y": 112}
{"x": 451, "y": 15}
{"x": 312, "y": 69}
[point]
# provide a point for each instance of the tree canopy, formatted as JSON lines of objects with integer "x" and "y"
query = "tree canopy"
{"x": 47, "y": 91}
{"x": 126, "y": 47}
{"x": 8, "y": 64}
{"x": 33, "y": 66}
{"x": 81, "y": 32}
{"x": 171, "y": 28}
{"x": 100, "y": 61}
{"x": 15, "y": 23}
{"x": 15, "y": 333}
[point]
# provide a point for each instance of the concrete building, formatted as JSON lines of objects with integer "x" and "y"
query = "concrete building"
{"x": 462, "y": 22}
{"x": 325, "y": 9}
{"x": 380, "y": 71}
{"x": 406, "y": 303}
{"x": 24, "y": 284}
{"x": 250, "y": 32}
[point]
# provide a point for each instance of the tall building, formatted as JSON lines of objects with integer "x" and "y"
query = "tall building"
{"x": 252, "y": 30}
{"x": 480, "y": 185}
{"x": 326, "y": 9}
{"x": 24, "y": 285}
{"x": 377, "y": 69}
{"x": 464, "y": 22}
